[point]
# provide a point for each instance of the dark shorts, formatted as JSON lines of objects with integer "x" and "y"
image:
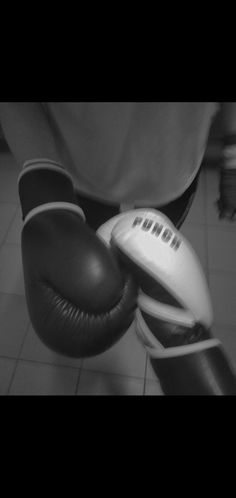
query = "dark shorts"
{"x": 97, "y": 212}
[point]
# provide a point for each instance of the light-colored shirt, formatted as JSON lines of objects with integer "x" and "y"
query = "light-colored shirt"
{"x": 143, "y": 153}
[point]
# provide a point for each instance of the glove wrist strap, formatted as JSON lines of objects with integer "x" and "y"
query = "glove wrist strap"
{"x": 44, "y": 184}
{"x": 53, "y": 206}
{"x": 42, "y": 164}
{"x": 157, "y": 350}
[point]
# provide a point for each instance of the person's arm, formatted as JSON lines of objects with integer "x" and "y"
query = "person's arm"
{"x": 228, "y": 112}
{"x": 227, "y": 188}
{"x": 27, "y": 131}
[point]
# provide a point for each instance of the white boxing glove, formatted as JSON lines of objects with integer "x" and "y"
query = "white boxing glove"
{"x": 104, "y": 231}
{"x": 175, "y": 312}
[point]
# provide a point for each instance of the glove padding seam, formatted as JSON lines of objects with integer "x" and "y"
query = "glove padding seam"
{"x": 44, "y": 283}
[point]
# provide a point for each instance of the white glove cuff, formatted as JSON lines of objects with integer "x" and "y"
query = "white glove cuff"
{"x": 155, "y": 348}
{"x": 55, "y": 205}
{"x": 43, "y": 163}
{"x": 37, "y": 164}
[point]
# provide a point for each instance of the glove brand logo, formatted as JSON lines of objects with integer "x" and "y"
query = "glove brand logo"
{"x": 158, "y": 229}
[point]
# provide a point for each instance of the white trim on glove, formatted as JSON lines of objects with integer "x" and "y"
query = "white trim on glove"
{"x": 157, "y": 350}
{"x": 164, "y": 312}
{"x": 37, "y": 164}
{"x": 52, "y": 206}
{"x": 48, "y": 164}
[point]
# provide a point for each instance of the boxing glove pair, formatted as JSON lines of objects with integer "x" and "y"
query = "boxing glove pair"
{"x": 81, "y": 287}
{"x": 80, "y": 298}
{"x": 174, "y": 315}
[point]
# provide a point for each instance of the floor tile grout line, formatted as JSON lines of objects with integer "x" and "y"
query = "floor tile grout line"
{"x": 46, "y": 363}
{"x": 78, "y": 379}
{"x": 8, "y": 357}
{"x": 70, "y": 367}
{"x": 115, "y": 374}
{"x": 24, "y": 338}
{"x": 17, "y": 359}
{"x": 38, "y": 362}
{"x": 12, "y": 378}
{"x": 9, "y": 226}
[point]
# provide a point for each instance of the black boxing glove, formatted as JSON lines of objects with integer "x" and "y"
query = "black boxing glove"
{"x": 227, "y": 201}
{"x": 80, "y": 300}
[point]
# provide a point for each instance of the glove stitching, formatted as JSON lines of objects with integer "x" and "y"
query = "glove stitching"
{"x": 86, "y": 313}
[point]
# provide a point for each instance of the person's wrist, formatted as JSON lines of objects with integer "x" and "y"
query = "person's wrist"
{"x": 229, "y": 152}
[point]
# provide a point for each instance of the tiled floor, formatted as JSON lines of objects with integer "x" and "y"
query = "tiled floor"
{"x": 27, "y": 367}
